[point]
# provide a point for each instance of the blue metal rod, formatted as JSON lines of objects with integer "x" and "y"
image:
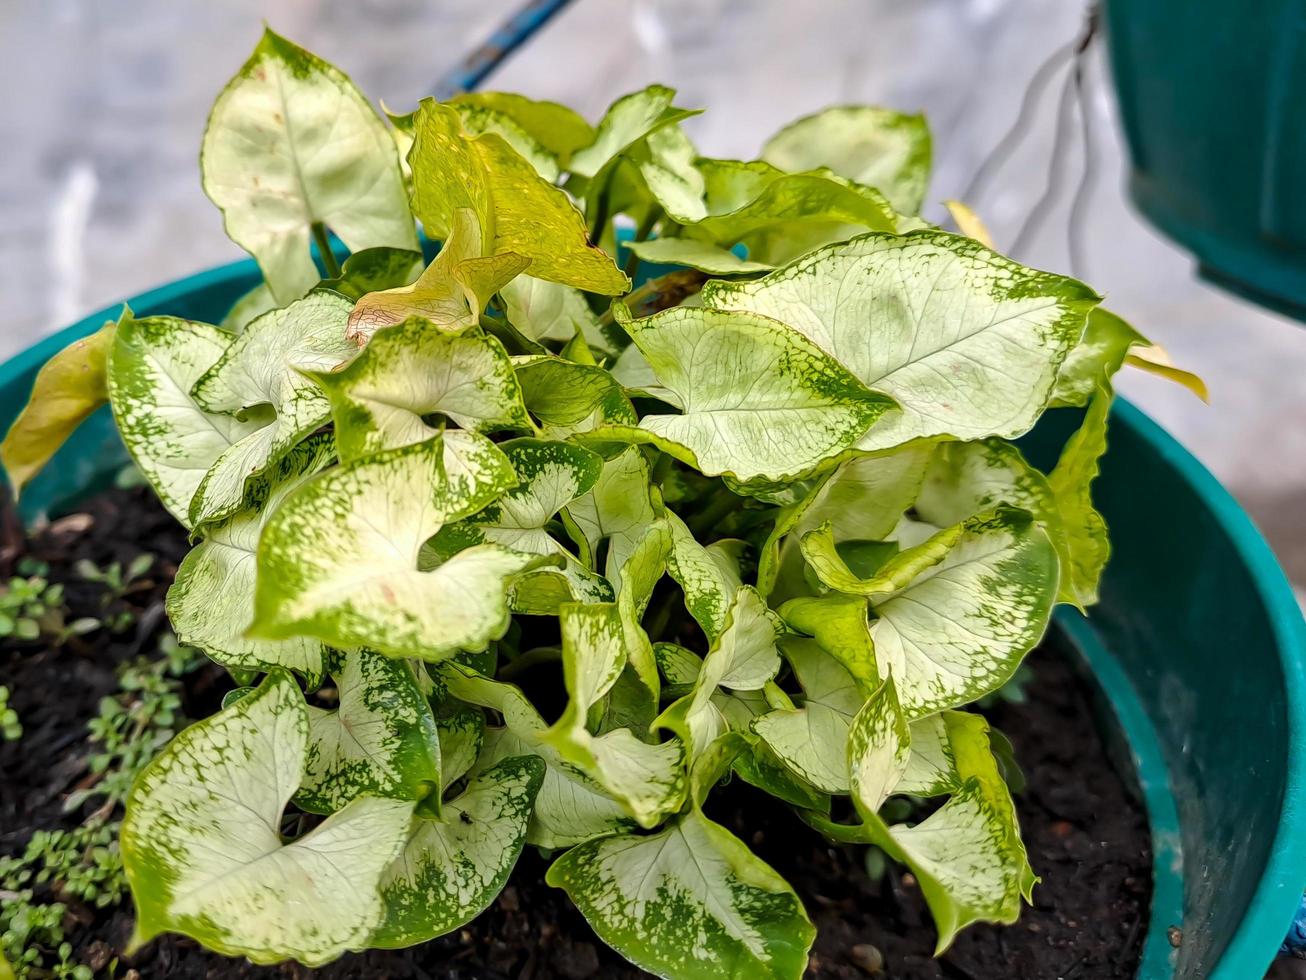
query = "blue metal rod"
{"x": 511, "y": 35}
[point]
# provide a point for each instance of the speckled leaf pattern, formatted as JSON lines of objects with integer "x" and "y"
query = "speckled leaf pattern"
{"x": 967, "y": 342}
{"x": 708, "y": 575}
{"x": 956, "y": 614}
{"x": 462, "y": 733}
{"x": 339, "y": 560}
{"x": 648, "y": 779}
{"x": 759, "y": 400}
{"x": 451, "y": 293}
{"x": 689, "y": 901}
{"x": 203, "y": 855}
{"x": 879, "y": 148}
{"x": 380, "y": 740}
{"x": 967, "y": 855}
{"x": 551, "y": 475}
{"x": 68, "y": 388}
{"x": 452, "y": 867}
{"x": 411, "y": 371}
{"x": 291, "y": 142}
{"x": 879, "y": 746}
{"x": 812, "y": 740}
{"x": 211, "y": 601}
{"x": 262, "y": 374}
{"x": 153, "y": 365}
{"x": 517, "y": 209}
{"x": 569, "y": 807}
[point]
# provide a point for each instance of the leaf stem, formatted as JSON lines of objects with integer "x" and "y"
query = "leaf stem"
{"x": 324, "y": 250}
{"x": 641, "y": 234}
{"x": 659, "y": 294}
{"x": 842, "y": 832}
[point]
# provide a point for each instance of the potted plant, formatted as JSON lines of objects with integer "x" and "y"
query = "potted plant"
{"x": 503, "y": 552}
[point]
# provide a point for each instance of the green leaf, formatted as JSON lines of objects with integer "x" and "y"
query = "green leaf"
{"x": 376, "y": 269}
{"x": 380, "y": 741}
{"x": 779, "y": 216}
{"x": 543, "y": 310}
{"x": 339, "y": 560}
{"x": 840, "y": 626}
{"x": 648, "y": 779}
{"x": 879, "y": 148}
{"x": 627, "y": 122}
{"x": 708, "y": 575}
{"x": 760, "y": 401}
{"x": 956, "y": 614}
{"x": 1099, "y": 353}
{"x": 551, "y": 475}
{"x": 879, "y": 748}
{"x": 570, "y": 807}
{"x": 462, "y": 733}
{"x": 203, "y": 855}
{"x": 453, "y": 866}
{"x": 479, "y": 119}
{"x": 68, "y": 388}
{"x": 263, "y": 374}
{"x": 153, "y": 365}
{"x": 967, "y": 855}
{"x": 696, "y": 255}
{"x": 617, "y": 509}
{"x": 689, "y": 901}
{"x": 292, "y": 143}
{"x": 812, "y": 739}
{"x": 518, "y": 211}
{"x": 411, "y": 371}
{"x": 211, "y": 602}
{"x": 560, "y": 130}
{"x": 451, "y": 293}
{"x": 1071, "y": 480}
{"x": 967, "y": 342}
{"x": 561, "y": 392}
{"x": 742, "y": 658}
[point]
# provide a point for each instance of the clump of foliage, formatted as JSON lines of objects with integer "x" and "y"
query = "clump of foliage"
{"x": 32, "y": 608}
{"x": 758, "y": 516}
{"x": 11, "y": 727}
{"x": 84, "y": 864}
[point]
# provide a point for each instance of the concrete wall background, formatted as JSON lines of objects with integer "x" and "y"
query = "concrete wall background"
{"x": 100, "y": 198}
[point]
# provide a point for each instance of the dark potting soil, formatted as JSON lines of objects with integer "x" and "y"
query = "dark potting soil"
{"x": 1086, "y": 833}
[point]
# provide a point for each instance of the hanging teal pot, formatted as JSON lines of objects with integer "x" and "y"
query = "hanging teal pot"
{"x": 1211, "y": 100}
{"x": 1198, "y": 649}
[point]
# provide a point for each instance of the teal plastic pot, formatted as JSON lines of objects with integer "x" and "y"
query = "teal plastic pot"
{"x": 1210, "y": 99}
{"x": 1197, "y": 649}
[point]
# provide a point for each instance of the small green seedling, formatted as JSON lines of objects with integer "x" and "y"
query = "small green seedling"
{"x": 569, "y": 551}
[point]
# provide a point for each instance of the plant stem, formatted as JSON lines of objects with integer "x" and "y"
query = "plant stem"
{"x": 600, "y": 221}
{"x": 641, "y": 234}
{"x": 660, "y": 294}
{"x": 324, "y": 250}
{"x": 529, "y": 659}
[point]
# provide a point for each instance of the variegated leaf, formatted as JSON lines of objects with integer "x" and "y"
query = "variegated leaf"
{"x": 211, "y": 601}
{"x": 263, "y": 374}
{"x": 380, "y": 740}
{"x": 411, "y": 371}
{"x": 956, "y": 614}
{"x": 812, "y": 739}
{"x": 203, "y": 854}
{"x": 153, "y": 365}
{"x": 339, "y": 560}
{"x": 619, "y": 509}
{"x": 688, "y": 901}
{"x": 759, "y": 400}
{"x": 453, "y": 866}
{"x": 879, "y": 148}
{"x": 967, "y": 342}
{"x": 291, "y": 143}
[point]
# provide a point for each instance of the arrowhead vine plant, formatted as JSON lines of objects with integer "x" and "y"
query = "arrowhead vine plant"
{"x": 758, "y": 516}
